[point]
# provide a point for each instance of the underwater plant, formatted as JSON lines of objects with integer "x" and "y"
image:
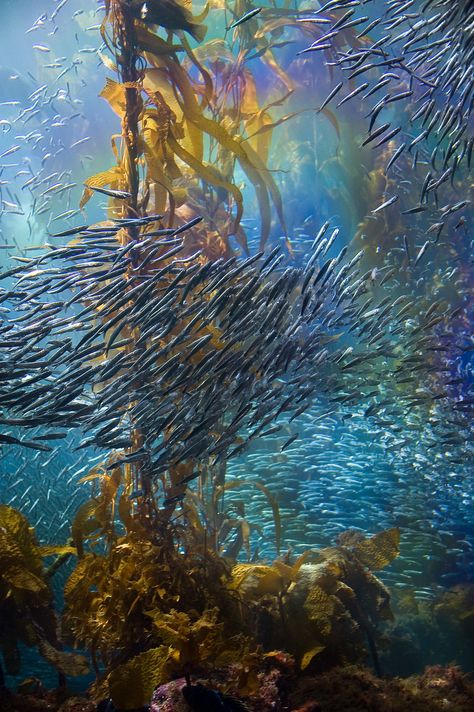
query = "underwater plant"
{"x": 26, "y": 600}
{"x": 325, "y": 597}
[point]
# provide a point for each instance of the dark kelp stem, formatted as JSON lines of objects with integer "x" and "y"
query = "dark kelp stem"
{"x": 127, "y": 58}
{"x": 127, "y": 63}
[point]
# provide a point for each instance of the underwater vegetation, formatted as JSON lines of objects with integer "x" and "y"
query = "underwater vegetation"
{"x": 26, "y": 600}
{"x": 170, "y": 337}
{"x": 147, "y": 610}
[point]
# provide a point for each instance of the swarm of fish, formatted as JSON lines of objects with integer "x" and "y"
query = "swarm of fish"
{"x": 200, "y": 358}
{"x": 423, "y": 57}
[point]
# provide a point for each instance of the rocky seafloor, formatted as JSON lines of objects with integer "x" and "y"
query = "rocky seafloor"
{"x": 281, "y": 689}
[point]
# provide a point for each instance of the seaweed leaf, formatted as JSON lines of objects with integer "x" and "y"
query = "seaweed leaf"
{"x": 100, "y": 180}
{"x": 84, "y": 523}
{"x": 379, "y": 550}
{"x": 234, "y": 484}
{"x": 131, "y": 685}
{"x": 211, "y": 175}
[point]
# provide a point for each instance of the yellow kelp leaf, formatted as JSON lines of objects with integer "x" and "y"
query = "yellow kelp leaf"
{"x": 57, "y": 550}
{"x": 131, "y": 685}
{"x": 249, "y": 104}
{"x": 202, "y": 15}
{"x": 92, "y": 476}
{"x": 241, "y": 572}
{"x": 19, "y": 545}
{"x": 261, "y": 579}
{"x": 10, "y": 552}
{"x": 81, "y": 577}
{"x": 67, "y": 663}
{"x": 257, "y": 120}
{"x": 211, "y": 175}
{"x": 14, "y": 522}
{"x": 83, "y": 524}
{"x": 192, "y": 516}
{"x": 125, "y": 512}
{"x": 215, "y": 50}
{"x": 272, "y": 583}
{"x": 251, "y": 164}
{"x": 319, "y": 607}
{"x": 285, "y": 571}
{"x": 235, "y": 484}
{"x": 173, "y": 628}
{"x": 114, "y": 94}
{"x": 100, "y": 180}
{"x": 309, "y": 655}
{"x": 269, "y": 125}
{"x": 379, "y": 550}
{"x": 268, "y": 58}
{"x": 254, "y": 127}
{"x": 156, "y": 80}
{"x": 107, "y": 61}
{"x": 20, "y": 577}
{"x": 254, "y": 159}
{"x": 193, "y": 140}
{"x": 148, "y": 41}
{"x": 208, "y": 85}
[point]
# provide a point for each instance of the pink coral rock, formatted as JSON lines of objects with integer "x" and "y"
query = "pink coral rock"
{"x": 169, "y": 697}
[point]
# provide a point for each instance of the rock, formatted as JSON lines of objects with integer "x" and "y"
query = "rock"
{"x": 169, "y": 697}
{"x": 77, "y": 704}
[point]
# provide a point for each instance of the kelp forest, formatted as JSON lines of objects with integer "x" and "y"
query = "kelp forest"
{"x": 192, "y": 322}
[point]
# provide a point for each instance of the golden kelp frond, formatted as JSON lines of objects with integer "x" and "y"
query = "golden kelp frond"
{"x": 319, "y": 607}
{"x": 235, "y": 484}
{"x": 148, "y": 41}
{"x": 214, "y": 51}
{"x": 163, "y": 589}
{"x": 309, "y": 655}
{"x": 379, "y": 550}
{"x": 114, "y": 94}
{"x": 261, "y": 579}
{"x": 20, "y": 579}
{"x": 57, "y": 550}
{"x": 83, "y": 525}
{"x": 114, "y": 177}
{"x": 251, "y": 163}
{"x": 247, "y": 577}
{"x": 131, "y": 685}
{"x": 323, "y": 605}
{"x": 194, "y": 644}
{"x": 193, "y": 639}
{"x": 67, "y": 663}
{"x": 20, "y": 558}
{"x": 26, "y": 598}
{"x": 211, "y": 175}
